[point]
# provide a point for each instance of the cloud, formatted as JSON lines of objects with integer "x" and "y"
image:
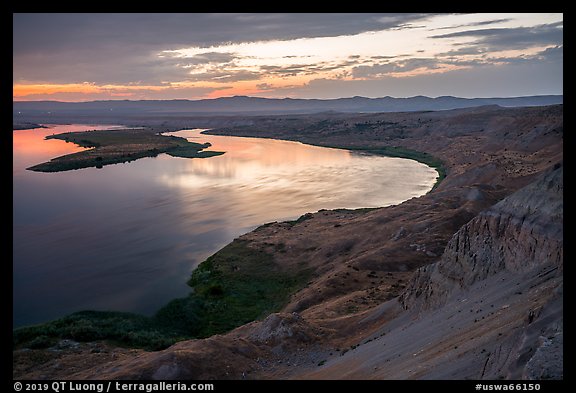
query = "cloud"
{"x": 370, "y": 71}
{"x": 401, "y": 66}
{"x": 211, "y": 57}
{"x": 52, "y": 32}
{"x": 224, "y": 76}
{"x": 407, "y": 26}
{"x": 517, "y": 38}
{"x": 505, "y": 80}
{"x": 135, "y": 49}
{"x": 309, "y": 69}
{"x": 265, "y": 86}
{"x": 296, "y": 69}
{"x": 444, "y": 60}
{"x": 383, "y": 57}
{"x": 474, "y": 24}
{"x": 555, "y": 53}
{"x": 464, "y": 50}
{"x": 124, "y": 48}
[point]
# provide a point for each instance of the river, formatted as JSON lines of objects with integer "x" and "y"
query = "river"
{"x": 126, "y": 237}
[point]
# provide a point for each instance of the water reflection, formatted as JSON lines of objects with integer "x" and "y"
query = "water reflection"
{"x": 291, "y": 178}
{"x": 127, "y": 236}
{"x": 29, "y": 146}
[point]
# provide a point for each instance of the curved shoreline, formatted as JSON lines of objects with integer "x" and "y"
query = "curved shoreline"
{"x": 384, "y": 151}
{"x": 148, "y": 327}
{"x": 402, "y": 152}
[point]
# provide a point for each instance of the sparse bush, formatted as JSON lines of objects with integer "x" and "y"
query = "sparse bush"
{"x": 41, "y": 342}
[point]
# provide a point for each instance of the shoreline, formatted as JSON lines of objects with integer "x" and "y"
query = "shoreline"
{"x": 401, "y": 152}
{"x": 422, "y": 157}
{"x": 385, "y": 151}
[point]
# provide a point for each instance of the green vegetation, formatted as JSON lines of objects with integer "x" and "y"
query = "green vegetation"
{"x": 238, "y": 285}
{"x": 192, "y": 152}
{"x": 117, "y": 146}
{"x": 301, "y": 219}
{"x": 124, "y": 328}
{"x": 235, "y": 286}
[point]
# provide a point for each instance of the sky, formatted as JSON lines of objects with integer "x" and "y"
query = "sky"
{"x": 129, "y": 56}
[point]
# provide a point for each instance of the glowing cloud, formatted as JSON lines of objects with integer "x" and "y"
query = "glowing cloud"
{"x": 401, "y": 48}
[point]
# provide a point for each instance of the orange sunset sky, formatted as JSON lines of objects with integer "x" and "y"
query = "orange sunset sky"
{"x": 82, "y": 57}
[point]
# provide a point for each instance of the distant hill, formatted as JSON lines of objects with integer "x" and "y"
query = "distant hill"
{"x": 259, "y": 106}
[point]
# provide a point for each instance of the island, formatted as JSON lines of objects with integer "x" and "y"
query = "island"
{"x": 105, "y": 147}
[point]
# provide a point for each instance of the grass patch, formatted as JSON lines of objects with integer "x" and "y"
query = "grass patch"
{"x": 125, "y": 328}
{"x": 301, "y": 219}
{"x": 235, "y": 286}
{"x": 192, "y": 152}
{"x": 238, "y": 285}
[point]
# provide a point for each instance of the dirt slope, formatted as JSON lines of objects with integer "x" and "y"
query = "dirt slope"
{"x": 491, "y": 308}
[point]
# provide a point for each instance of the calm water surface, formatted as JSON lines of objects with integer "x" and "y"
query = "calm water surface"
{"x": 126, "y": 237}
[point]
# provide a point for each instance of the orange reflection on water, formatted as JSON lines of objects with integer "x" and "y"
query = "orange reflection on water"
{"x": 29, "y": 147}
{"x": 263, "y": 178}
{"x": 250, "y": 158}
{"x": 28, "y": 142}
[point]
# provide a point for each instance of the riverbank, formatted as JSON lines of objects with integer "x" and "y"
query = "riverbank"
{"x": 402, "y": 152}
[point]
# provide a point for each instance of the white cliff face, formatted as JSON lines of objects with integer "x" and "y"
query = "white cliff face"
{"x": 520, "y": 233}
{"x": 515, "y": 249}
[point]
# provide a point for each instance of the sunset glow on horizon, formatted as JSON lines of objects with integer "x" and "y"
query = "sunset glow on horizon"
{"x": 197, "y": 56}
